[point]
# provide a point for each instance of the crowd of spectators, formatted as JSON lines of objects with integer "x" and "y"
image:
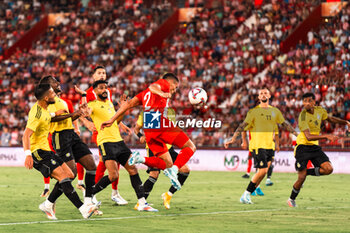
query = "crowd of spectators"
{"x": 216, "y": 51}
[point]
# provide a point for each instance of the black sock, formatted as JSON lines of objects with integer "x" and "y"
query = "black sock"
{"x": 137, "y": 185}
{"x": 182, "y": 178}
{"x": 294, "y": 193}
{"x": 89, "y": 182}
{"x": 148, "y": 185}
{"x": 313, "y": 171}
{"x": 251, "y": 187}
{"x": 269, "y": 172}
{"x": 70, "y": 192}
{"x": 56, "y": 193}
{"x": 101, "y": 184}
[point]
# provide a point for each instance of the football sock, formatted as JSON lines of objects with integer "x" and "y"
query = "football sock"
{"x": 249, "y": 168}
{"x": 89, "y": 182}
{"x": 182, "y": 178}
{"x": 80, "y": 172}
{"x": 148, "y": 185}
{"x": 47, "y": 186}
{"x": 183, "y": 157}
{"x": 313, "y": 171}
{"x": 103, "y": 183}
{"x": 137, "y": 185}
{"x": 55, "y": 193}
{"x": 269, "y": 172}
{"x": 155, "y": 162}
{"x": 294, "y": 193}
{"x": 70, "y": 192}
{"x": 251, "y": 187}
{"x": 47, "y": 180}
{"x": 100, "y": 171}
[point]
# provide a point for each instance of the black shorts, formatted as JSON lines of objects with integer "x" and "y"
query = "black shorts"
{"x": 263, "y": 157}
{"x": 69, "y": 146}
{"x": 116, "y": 151}
{"x": 304, "y": 153}
{"x": 46, "y": 161}
{"x": 173, "y": 155}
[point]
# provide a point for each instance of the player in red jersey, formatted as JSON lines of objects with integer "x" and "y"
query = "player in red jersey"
{"x": 99, "y": 73}
{"x": 158, "y": 129}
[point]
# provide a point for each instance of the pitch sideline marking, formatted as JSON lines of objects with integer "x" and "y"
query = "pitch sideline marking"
{"x": 164, "y": 215}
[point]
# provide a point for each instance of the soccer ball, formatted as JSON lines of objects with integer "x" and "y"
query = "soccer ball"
{"x": 197, "y": 96}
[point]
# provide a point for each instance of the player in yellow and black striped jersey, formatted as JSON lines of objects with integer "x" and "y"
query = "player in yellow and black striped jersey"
{"x": 40, "y": 156}
{"x": 310, "y": 120}
{"x": 261, "y": 121}
{"x": 112, "y": 146}
{"x": 154, "y": 172}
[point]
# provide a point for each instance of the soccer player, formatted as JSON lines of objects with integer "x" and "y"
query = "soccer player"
{"x": 261, "y": 122}
{"x": 112, "y": 146}
{"x": 308, "y": 148}
{"x": 39, "y": 155}
{"x": 68, "y": 145}
{"x": 155, "y": 101}
{"x": 99, "y": 73}
{"x": 183, "y": 174}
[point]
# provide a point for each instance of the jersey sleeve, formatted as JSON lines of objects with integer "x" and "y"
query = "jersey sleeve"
{"x": 164, "y": 85}
{"x": 140, "y": 119}
{"x": 140, "y": 96}
{"x": 303, "y": 125}
{"x": 324, "y": 114}
{"x": 249, "y": 118}
{"x": 34, "y": 119}
{"x": 279, "y": 117}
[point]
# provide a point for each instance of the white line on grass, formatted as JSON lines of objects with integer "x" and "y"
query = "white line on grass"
{"x": 167, "y": 215}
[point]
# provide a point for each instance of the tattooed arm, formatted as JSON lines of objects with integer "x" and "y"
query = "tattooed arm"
{"x": 286, "y": 125}
{"x": 237, "y": 133}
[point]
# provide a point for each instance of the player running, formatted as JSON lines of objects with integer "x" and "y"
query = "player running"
{"x": 99, "y": 73}
{"x": 183, "y": 174}
{"x": 261, "y": 121}
{"x": 112, "y": 146}
{"x": 39, "y": 155}
{"x": 68, "y": 145}
{"x": 308, "y": 148}
{"x": 155, "y": 101}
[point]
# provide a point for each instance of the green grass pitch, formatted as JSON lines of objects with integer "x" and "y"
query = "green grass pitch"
{"x": 208, "y": 202}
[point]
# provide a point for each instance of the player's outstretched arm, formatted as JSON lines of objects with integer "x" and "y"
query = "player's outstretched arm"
{"x": 139, "y": 134}
{"x": 289, "y": 127}
{"x": 74, "y": 116}
{"x": 312, "y": 137}
{"x": 28, "y": 163}
{"x": 337, "y": 120}
{"x": 156, "y": 89}
{"x": 124, "y": 106}
{"x": 237, "y": 133}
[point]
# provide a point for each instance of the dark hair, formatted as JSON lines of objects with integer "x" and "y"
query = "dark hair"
{"x": 95, "y": 84}
{"x": 46, "y": 79}
{"x": 309, "y": 94}
{"x": 98, "y": 67}
{"x": 170, "y": 76}
{"x": 41, "y": 90}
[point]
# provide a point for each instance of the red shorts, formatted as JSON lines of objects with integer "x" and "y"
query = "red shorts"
{"x": 157, "y": 140}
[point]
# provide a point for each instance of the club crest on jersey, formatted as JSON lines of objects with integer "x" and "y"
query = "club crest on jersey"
{"x": 151, "y": 120}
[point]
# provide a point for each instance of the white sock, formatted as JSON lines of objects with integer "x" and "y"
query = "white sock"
{"x": 142, "y": 201}
{"x": 87, "y": 200}
{"x": 48, "y": 203}
{"x": 114, "y": 192}
{"x": 81, "y": 208}
{"x": 80, "y": 182}
{"x": 170, "y": 194}
{"x": 47, "y": 186}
